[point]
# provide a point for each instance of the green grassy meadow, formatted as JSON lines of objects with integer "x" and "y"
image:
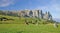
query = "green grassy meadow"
{"x": 22, "y": 28}
{"x": 18, "y": 26}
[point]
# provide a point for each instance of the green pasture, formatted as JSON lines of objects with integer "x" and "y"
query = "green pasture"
{"x": 18, "y": 26}
{"x": 23, "y": 28}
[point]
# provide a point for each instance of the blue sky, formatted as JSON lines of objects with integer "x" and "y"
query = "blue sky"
{"x": 53, "y": 6}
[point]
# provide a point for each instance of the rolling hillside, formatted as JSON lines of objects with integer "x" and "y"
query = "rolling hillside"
{"x": 22, "y": 20}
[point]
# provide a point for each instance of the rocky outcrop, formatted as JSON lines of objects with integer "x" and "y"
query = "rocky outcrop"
{"x": 29, "y": 13}
{"x": 47, "y": 16}
{"x": 36, "y": 13}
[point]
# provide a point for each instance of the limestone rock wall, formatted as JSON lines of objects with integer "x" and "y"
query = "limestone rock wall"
{"x": 36, "y": 13}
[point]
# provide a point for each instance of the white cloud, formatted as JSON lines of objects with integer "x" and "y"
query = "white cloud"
{"x": 53, "y": 7}
{"x": 4, "y": 3}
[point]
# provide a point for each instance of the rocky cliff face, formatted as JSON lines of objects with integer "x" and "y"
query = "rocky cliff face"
{"x": 47, "y": 16}
{"x": 37, "y": 13}
{"x": 30, "y": 13}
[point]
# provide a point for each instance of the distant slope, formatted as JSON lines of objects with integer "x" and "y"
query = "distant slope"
{"x": 56, "y": 19}
{"x": 22, "y": 20}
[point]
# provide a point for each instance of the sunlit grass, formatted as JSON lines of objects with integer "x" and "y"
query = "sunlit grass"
{"x": 18, "y": 26}
{"x": 22, "y": 28}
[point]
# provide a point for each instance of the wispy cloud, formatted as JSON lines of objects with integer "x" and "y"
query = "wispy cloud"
{"x": 4, "y": 3}
{"x": 53, "y": 7}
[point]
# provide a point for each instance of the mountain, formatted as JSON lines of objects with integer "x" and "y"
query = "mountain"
{"x": 28, "y": 13}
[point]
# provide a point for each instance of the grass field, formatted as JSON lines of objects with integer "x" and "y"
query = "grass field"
{"x": 18, "y": 26}
{"x": 23, "y": 28}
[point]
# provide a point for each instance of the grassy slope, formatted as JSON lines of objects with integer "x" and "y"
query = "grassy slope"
{"x": 22, "y": 28}
{"x": 18, "y": 20}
